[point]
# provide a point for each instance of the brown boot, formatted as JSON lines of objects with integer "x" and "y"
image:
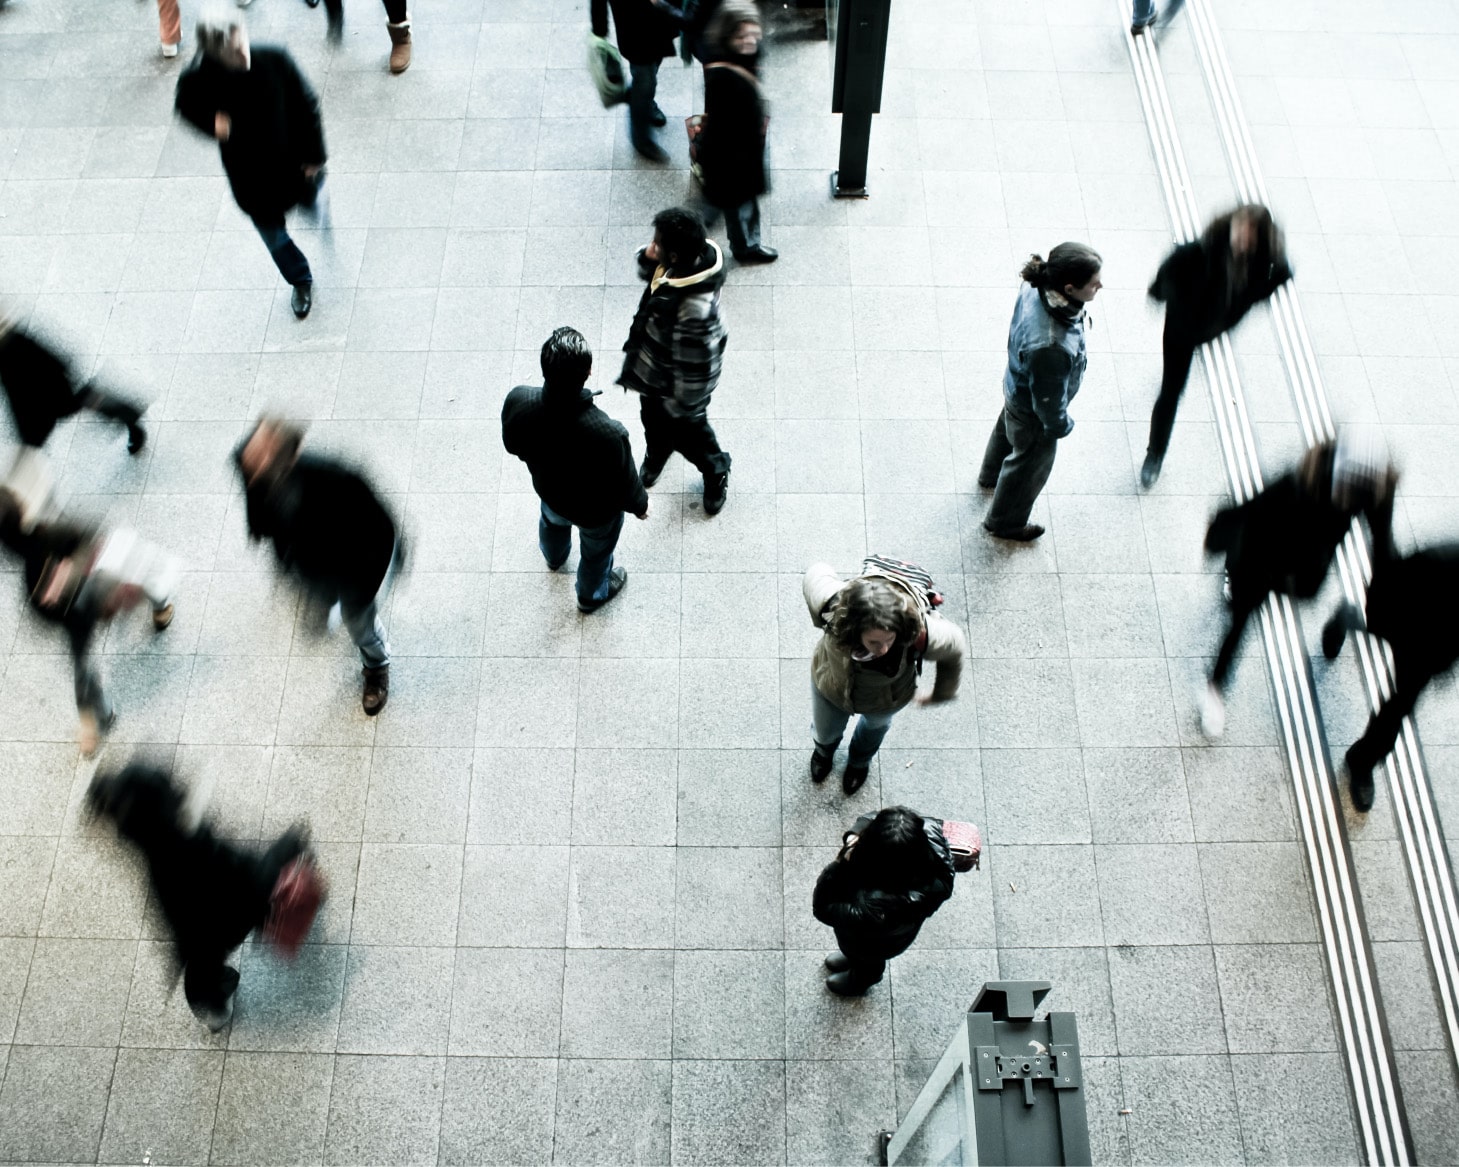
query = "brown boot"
{"x": 377, "y": 689}
{"x": 400, "y": 39}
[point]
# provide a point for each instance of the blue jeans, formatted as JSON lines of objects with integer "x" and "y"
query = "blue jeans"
{"x": 828, "y": 724}
{"x": 286, "y": 254}
{"x": 742, "y": 225}
{"x": 1144, "y": 12}
{"x": 554, "y": 537}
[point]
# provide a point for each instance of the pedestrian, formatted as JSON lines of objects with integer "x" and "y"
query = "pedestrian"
{"x": 169, "y": 27}
{"x": 1283, "y": 539}
{"x": 78, "y": 578}
{"x": 876, "y": 631}
{"x": 893, "y": 871}
{"x": 582, "y": 466}
{"x": 645, "y": 32}
{"x": 1207, "y": 286}
{"x": 1144, "y": 16}
{"x": 1045, "y": 366}
{"x": 265, "y": 116}
{"x": 212, "y": 893}
{"x": 330, "y": 530}
{"x": 674, "y": 351}
{"x": 397, "y": 24}
{"x": 42, "y": 389}
{"x": 730, "y": 147}
{"x": 1410, "y": 605}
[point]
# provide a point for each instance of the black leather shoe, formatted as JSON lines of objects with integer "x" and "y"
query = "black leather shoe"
{"x": 837, "y": 962}
{"x": 853, "y": 778}
{"x": 648, "y": 148}
{"x": 1334, "y": 632}
{"x": 821, "y": 765}
{"x": 1360, "y": 783}
{"x": 716, "y": 490}
{"x": 658, "y": 117}
{"x": 1024, "y": 534}
{"x": 617, "y": 579}
{"x": 302, "y": 300}
{"x": 136, "y": 439}
{"x": 843, "y": 986}
{"x": 649, "y": 474}
{"x": 758, "y": 254}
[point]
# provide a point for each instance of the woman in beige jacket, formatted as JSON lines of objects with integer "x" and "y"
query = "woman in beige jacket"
{"x": 877, "y": 631}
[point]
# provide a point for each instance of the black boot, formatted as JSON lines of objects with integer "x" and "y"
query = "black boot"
{"x": 854, "y": 778}
{"x": 838, "y": 961}
{"x": 716, "y": 490}
{"x": 649, "y": 473}
{"x": 821, "y": 764}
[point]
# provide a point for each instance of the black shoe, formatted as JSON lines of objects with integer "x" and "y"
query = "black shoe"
{"x": 648, "y": 148}
{"x": 1139, "y": 29}
{"x": 377, "y": 689}
{"x": 136, "y": 439}
{"x": 853, "y": 778}
{"x": 658, "y": 117}
{"x": 1333, "y": 635}
{"x": 1360, "y": 783}
{"x": 1150, "y": 471}
{"x": 837, "y": 962}
{"x": 1024, "y": 534}
{"x": 758, "y": 254}
{"x": 312, "y": 3}
{"x": 716, "y": 490}
{"x": 617, "y": 579}
{"x": 843, "y": 986}
{"x": 556, "y": 566}
{"x": 302, "y": 300}
{"x": 650, "y": 474}
{"x": 821, "y": 765}
{"x": 983, "y": 484}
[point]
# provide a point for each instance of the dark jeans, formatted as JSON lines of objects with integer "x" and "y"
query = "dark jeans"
{"x": 1017, "y": 462}
{"x": 395, "y": 11}
{"x": 645, "y": 84}
{"x": 286, "y": 254}
{"x": 1179, "y": 351}
{"x": 665, "y": 433}
{"x": 742, "y": 225}
{"x": 554, "y": 537}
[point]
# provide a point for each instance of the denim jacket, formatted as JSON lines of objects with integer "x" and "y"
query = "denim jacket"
{"x": 1045, "y": 361}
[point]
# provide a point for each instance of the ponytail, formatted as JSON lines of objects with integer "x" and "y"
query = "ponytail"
{"x": 1068, "y": 263}
{"x": 1035, "y": 271}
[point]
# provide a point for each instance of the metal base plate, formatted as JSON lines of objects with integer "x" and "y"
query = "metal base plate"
{"x": 855, "y": 192}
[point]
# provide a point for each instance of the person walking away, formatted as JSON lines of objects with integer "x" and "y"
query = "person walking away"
{"x": 169, "y": 27}
{"x": 1283, "y": 539}
{"x": 42, "y": 389}
{"x": 397, "y": 24}
{"x": 212, "y": 893}
{"x": 582, "y": 466}
{"x": 265, "y": 116}
{"x": 1045, "y": 367}
{"x": 645, "y": 37}
{"x": 876, "y": 631}
{"x": 675, "y": 349}
{"x": 731, "y": 144}
{"x": 1207, "y": 286}
{"x": 894, "y": 870}
{"x": 330, "y": 530}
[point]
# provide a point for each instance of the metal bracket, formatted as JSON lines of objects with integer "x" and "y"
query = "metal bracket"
{"x": 1060, "y": 1065}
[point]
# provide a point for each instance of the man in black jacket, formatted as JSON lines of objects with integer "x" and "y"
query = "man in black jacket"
{"x": 646, "y": 33}
{"x": 330, "y": 529}
{"x": 582, "y": 466}
{"x": 266, "y": 120}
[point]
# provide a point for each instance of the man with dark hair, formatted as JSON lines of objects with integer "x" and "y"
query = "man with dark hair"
{"x": 330, "y": 529}
{"x": 581, "y": 463}
{"x": 645, "y": 37}
{"x": 674, "y": 350}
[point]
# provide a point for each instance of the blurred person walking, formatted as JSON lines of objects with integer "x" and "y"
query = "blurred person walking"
{"x": 212, "y": 893}
{"x": 675, "y": 349}
{"x": 730, "y": 147}
{"x": 169, "y": 26}
{"x": 265, "y": 116}
{"x": 397, "y": 24}
{"x": 1144, "y": 16}
{"x": 330, "y": 530}
{"x": 645, "y": 32}
{"x": 582, "y": 466}
{"x": 1046, "y": 362}
{"x": 894, "y": 870}
{"x": 876, "y": 631}
{"x": 42, "y": 389}
{"x": 1207, "y": 286}
{"x": 1283, "y": 541}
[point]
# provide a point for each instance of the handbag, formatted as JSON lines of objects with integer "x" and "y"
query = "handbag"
{"x": 610, "y": 75}
{"x": 295, "y": 901}
{"x": 965, "y": 842}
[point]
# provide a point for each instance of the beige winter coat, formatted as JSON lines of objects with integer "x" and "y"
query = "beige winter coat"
{"x": 856, "y": 689}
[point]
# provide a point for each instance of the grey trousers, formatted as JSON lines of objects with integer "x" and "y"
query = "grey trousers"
{"x": 1017, "y": 463}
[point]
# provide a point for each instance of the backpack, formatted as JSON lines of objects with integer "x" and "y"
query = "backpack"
{"x": 917, "y": 581}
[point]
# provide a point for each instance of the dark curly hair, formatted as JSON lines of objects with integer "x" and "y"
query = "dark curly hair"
{"x": 681, "y": 233}
{"x": 868, "y": 603}
{"x": 1068, "y": 263}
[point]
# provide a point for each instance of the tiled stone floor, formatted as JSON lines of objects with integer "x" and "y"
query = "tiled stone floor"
{"x": 571, "y": 863}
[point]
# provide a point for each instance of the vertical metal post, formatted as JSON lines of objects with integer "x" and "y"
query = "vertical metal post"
{"x": 858, "y": 31}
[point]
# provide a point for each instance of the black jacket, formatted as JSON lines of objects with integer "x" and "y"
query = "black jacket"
{"x": 38, "y": 384}
{"x": 731, "y": 147}
{"x": 1410, "y": 604}
{"x": 645, "y": 34}
{"x": 1195, "y": 284}
{"x": 276, "y": 127}
{"x": 327, "y": 525}
{"x": 581, "y": 461}
{"x": 876, "y": 924}
{"x": 78, "y": 615}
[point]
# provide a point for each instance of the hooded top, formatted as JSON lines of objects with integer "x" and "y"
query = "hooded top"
{"x": 580, "y": 458}
{"x": 676, "y": 343}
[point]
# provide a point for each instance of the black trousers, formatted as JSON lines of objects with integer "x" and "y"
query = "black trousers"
{"x": 692, "y": 436}
{"x": 395, "y": 11}
{"x": 1179, "y": 350}
{"x": 1383, "y": 729}
{"x": 1017, "y": 463}
{"x": 1242, "y": 609}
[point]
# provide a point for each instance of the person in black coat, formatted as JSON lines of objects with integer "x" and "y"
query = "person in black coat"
{"x": 893, "y": 871}
{"x": 1410, "y": 605}
{"x": 1207, "y": 286}
{"x": 266, "y": 120}
{"x": 212, "y": 893}
{"x": 328, "y": 528}
{"x": 582, "y": 466}
{"x": 42, "y": 390}
{"x": 731, "y": 145}
{"x": 1283, "y": 541}
{"x": 645, "y": 31}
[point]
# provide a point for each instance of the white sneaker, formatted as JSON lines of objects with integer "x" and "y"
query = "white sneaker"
{"x": 1213, "y": 712}
{"x": 170, "y": 51}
